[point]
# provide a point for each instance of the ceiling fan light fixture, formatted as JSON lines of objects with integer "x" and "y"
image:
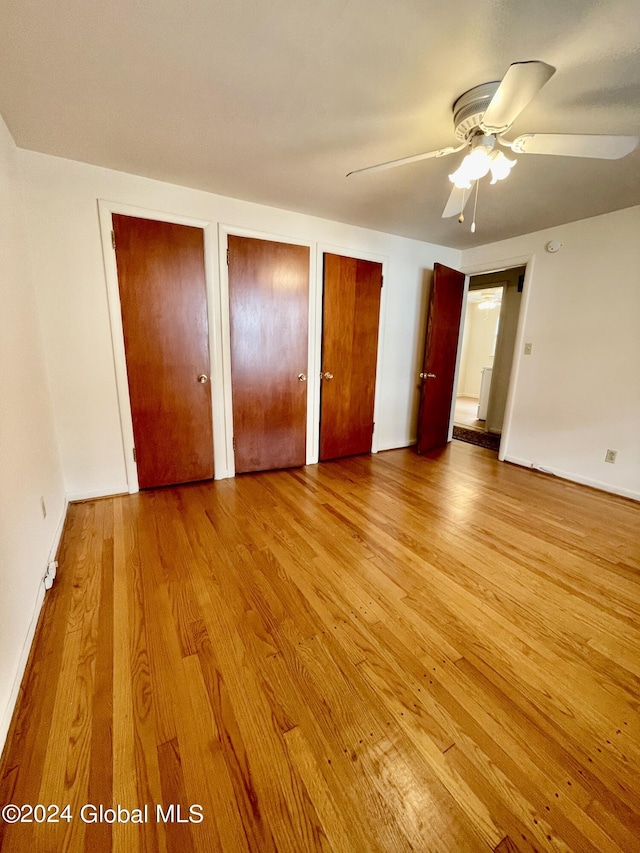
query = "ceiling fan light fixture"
{"x": 460, "y": 180}
{"x": 477, "y": 163}
{"x": 500, "y": 166}
{"x": 487, "y": 303}
{"x": 474, "y": 166}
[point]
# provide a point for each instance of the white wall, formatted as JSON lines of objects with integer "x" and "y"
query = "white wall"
{"x": 29, "y": 464}
{"x": 578, "y": 393}
{"x": 62, "y": 210}
{"x": 480, "y": 328}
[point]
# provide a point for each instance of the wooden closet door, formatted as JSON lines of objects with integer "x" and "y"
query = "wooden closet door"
{"x": 350, "y": 321}
{"x": 439, "y": 366}
{"x": 166, "y": 336}
{"x": 269, "y": 319}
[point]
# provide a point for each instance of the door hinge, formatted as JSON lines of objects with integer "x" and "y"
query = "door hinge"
{"x": 381, "y": 281}
{"x": 233, "y": 442}
{"x": 228, "y": 256}
{"x": 134, "y": 455}
{"x": 113, "y": 239}
{"x": 374, "y": 427}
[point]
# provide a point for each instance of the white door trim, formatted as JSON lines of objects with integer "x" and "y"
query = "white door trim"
{"x": 496, "y": 265}
{"x": 106, "y": 209}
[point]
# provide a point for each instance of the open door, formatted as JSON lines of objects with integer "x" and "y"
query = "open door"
{"x": 441, "y": 346}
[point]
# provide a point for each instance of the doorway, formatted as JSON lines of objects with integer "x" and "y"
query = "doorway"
{"x": 491, "y": 319}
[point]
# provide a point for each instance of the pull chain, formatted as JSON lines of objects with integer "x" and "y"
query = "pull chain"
{"x": 475, "y": 205}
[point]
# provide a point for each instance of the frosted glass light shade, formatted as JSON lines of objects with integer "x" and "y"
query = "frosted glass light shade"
{"x": 474, "y": 166}
{"x": 478, "y": 163}
{"x": 500, "y": 166}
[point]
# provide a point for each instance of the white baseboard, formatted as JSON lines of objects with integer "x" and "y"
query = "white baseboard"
{"x": 59, "y": 531}
{"x": 106, "y": 492}
{"x": 123, "y": 489}
{"x": 581, "y": 481}
{"x": 406, "y": 443}
{"x": 28, "y": 640}
{"x": 22, "y": 665}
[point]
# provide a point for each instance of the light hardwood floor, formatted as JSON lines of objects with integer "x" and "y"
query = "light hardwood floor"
{"x": 384, "y": 653}
{"x": 466, "y": 413}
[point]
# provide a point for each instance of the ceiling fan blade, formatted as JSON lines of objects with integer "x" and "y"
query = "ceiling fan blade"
{"x": 403, "y": 161}
{"x": 457, "y": 201}
{"x": 519, "y": 85}
{"x": 575, "y": 145}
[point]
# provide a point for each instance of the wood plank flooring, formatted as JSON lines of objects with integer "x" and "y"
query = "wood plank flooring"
{"x": 385, "y": 653}
{"x": 466, "y": 413}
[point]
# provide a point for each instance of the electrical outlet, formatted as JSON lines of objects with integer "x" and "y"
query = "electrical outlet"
{"x": 610, "y": 456}
{"x": 527, "y": 349}
{"x": 43, "y": 507}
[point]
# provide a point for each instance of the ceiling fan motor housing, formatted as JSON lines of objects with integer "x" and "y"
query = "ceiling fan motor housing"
{"x": 470, "y": 107}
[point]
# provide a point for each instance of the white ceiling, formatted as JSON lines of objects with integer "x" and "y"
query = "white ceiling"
{"x": 276, "y": 101}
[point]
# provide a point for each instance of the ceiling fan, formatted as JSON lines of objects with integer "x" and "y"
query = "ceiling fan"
{"x": 485, "y": 113}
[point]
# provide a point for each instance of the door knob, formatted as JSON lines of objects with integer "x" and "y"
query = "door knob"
{"x": 328, "y": 375}
{"x": 431, "y": 376}
{"x": 302, "y": 377}
{"x": 423, "y": 376}
{"x": 202, "y": 378}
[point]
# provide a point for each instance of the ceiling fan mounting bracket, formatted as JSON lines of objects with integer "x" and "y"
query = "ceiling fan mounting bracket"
{"x": 469, "y": 109}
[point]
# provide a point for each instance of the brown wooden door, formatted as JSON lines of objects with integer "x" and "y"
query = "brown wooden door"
{"x": 441, "y": 347}
{"x": 350, "y": 320}
{"x": 269, "y": 317}
{"x": 166, "y": 337}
